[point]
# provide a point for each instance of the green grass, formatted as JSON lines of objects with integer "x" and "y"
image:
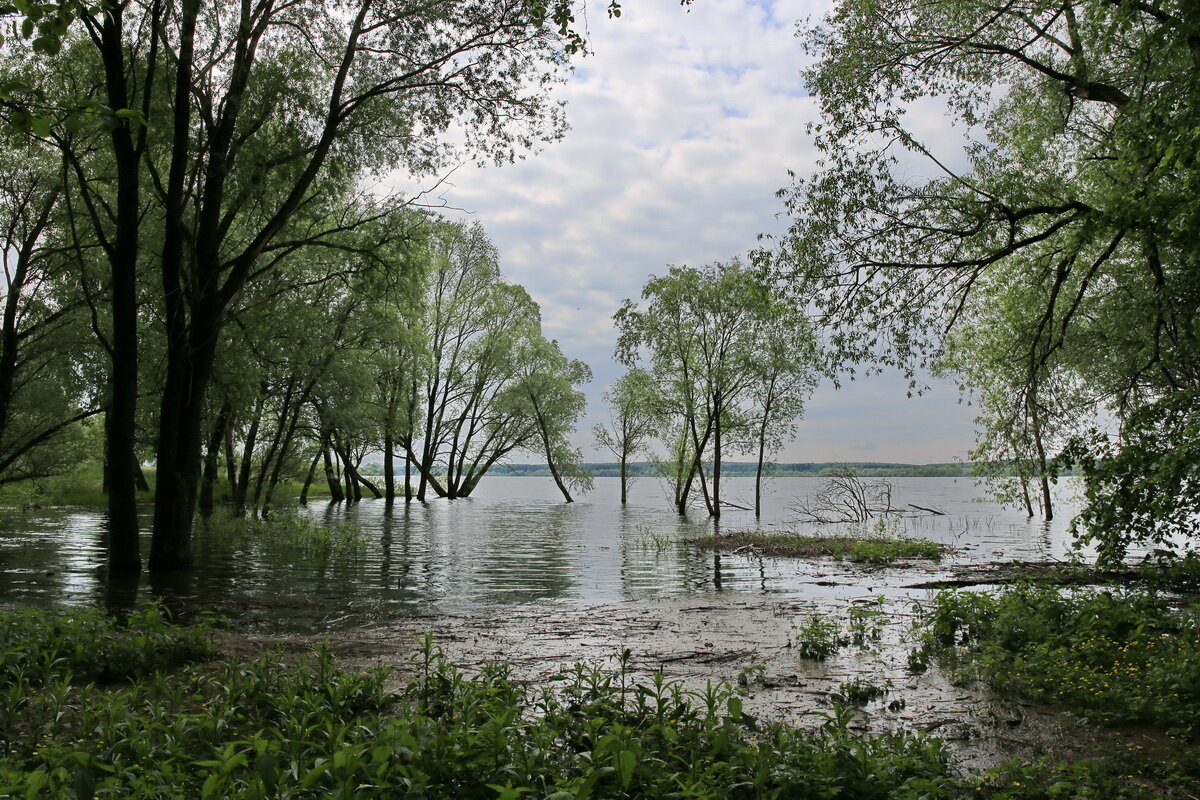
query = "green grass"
{"x": 1114, "y": 656}
{"x": 880, "y": 544}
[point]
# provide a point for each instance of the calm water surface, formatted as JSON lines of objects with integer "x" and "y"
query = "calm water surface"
{"x": 515, "y": 542}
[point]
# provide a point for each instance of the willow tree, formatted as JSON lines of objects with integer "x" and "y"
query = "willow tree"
{"x": 1078, "y": 174}
{"x": 633, "y": 418}
{"x": 547, "y": 393}
{"x": 704, "y": 334}
{"x": 44, "y": 338}
{"x": 229, "y": 120}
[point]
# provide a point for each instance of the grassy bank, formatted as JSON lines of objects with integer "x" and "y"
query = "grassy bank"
{"x": 876, "y": 545}
{"x": 89, "y": 708}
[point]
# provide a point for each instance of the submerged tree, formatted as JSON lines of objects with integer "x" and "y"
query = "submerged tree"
{"x": 716, "y": 338}
{"x": 634, "y": 421}
{"x": 217, "y": 127}
{"x": 546, "y": 392}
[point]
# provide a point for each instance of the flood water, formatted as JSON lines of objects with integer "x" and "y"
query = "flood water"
{"x": 515, "y": 542}
{"x": 515, "y": 574}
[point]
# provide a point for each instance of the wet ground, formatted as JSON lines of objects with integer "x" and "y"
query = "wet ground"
{"x": 749, "y": 642}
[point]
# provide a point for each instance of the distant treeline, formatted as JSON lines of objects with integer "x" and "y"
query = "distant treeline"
{"x": 745, "y": 469}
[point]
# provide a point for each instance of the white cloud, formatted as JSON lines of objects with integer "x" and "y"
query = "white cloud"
{"x": 684, "y": 124}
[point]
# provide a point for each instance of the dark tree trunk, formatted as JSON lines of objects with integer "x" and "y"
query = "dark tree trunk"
{"x": 336, "y": 494}
{"x": 624, "y": 479}
{"x": 247, "y": 464}
{"x": 389, "y": 469}
{"x": 211, "y": 456}
{"x": 352, "y": 491}
{"x": 190, "y": 343}
{"x": 278, "y": 438}
{"x": 121, "y": 425}
{"x": 308, "y": 478}
{"x": 714, "y": 507}
{"x": 407, "y": 478}
{"x": 762, "y": 453}
{"x": 139, "y": 476}
{"x": 230, "y": 460}
{"x": 558, "y": 481}
{"x": 179, "y": 445}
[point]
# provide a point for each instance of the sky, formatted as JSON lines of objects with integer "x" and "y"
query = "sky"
{"x": 684, "y": 124}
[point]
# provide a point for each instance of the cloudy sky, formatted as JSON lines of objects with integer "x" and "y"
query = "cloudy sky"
{"x": 684, "y": 123}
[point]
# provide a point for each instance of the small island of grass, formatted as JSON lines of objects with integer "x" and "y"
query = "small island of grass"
{"x": 852, "y": 546}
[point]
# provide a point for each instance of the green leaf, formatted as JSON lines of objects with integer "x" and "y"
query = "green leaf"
{"x": 625, "y": 761}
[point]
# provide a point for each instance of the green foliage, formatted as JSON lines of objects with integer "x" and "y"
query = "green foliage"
{"x": 867, "y": 621}
{"x": 1111, "y": 778}
{"x": 818, "y": 637}
{"x": 286, "y": 530}
{"x": 858, "y": 692}
{"x": 1046, "y": 254}
{"x": 1114, "y": 657}
{"x": 264, "y": 729}
{"x": 83, "y": 645}
{"x": 275, "y": 727}
{"x": 878, "y": 544}
{"x": 1146, "y": 489}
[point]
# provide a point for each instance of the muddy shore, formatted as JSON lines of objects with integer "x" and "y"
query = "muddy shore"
{"x": 748, "y": 641}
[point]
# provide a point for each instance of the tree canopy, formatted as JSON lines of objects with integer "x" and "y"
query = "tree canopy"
{"x": 1066, "y": 214}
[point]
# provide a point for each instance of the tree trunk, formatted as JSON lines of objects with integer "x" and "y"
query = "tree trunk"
{"x": 211, "y": 454}
{"x": 190, "y": 343}
{"x": 389, "y": 469}
{"x": 247, "y": 465}
{"x": 121, "y": 427}
{"x": 230, "y": 461}
{"x": 335, "y": 486}
{"x": 188, "y": 374}
{"x": 407, "y": 478}
{"x": 624, "y": 478}
{"x": 714, "y": 508}
{"x": 762, "y": 453}
{"x": 545, "y": 437}
{"x": 1047, "y": 508}
{"x": 308, "y": 479}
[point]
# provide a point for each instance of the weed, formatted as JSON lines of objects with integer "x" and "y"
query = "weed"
{"x": 867, "y": 621}
{"x": 858, "y": 692}
{"x": 221, "y": 729}
{"x": 819, "y": 638}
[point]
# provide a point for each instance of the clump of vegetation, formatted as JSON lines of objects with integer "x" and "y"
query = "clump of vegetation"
{"x": 183, "y": 724}
{"x": 881, "y": 543}
{"x": 867, "y": 621}
{"x": 858, "y": 692}
{"x": 819, "y": 638}
{"x": 38, "y": 646}
{"x": 1114, "y": 656}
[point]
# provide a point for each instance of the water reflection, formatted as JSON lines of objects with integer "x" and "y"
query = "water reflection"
{"x": 515, "y": 542}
